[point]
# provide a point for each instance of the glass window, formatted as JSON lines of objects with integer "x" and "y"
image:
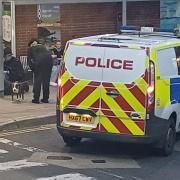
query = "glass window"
{"x": 177, "y": 51}
{"x": 167, "y": 62}
{"x": 48, "y": 23}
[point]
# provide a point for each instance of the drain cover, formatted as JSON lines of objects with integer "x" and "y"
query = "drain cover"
{"x": 98, "y": 161}
{"x": 64, "y": 158}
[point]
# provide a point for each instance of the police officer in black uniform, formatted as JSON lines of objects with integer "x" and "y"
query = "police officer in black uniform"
{"x": 40, "y": 62}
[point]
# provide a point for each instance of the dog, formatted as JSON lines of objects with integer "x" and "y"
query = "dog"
{"x": 19, "y": 89}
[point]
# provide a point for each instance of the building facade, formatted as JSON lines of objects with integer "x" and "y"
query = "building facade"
{"x": 67, "y": 19}
{"x": 170, "y": 14}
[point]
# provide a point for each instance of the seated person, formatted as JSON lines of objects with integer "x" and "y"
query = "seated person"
{"x": 13, "y": 70}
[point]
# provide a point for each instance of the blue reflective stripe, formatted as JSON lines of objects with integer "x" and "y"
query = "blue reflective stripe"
{"x": 175, "y": 90}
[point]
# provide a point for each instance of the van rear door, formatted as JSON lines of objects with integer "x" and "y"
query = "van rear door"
{"x": 123, "y": 91}
{"x": 80, "y": 87}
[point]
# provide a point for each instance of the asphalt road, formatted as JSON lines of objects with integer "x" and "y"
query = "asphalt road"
{"x": 40, "y": 154}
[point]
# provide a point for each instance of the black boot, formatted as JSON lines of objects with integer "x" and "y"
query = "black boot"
{"x": 44, "y": 101}
{"x": 36, "y": 101}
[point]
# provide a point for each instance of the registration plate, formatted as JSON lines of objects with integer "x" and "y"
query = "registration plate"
{"x": 87, "y": 119}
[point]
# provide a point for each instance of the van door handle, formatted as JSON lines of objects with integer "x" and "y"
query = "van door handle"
{"x": 135, "y": 115}
{"x": 113, "y": 93}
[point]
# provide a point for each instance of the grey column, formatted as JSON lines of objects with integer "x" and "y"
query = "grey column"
{"x": 1, "y": 54}
{"x": 124, "y": 12}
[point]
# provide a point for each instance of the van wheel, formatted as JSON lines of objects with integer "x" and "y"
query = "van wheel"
{"x": 71, "y": 141}
{"x": 169, "y": 141}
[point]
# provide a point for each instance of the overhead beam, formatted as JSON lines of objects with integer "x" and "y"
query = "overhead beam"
{"x": 24, "y": 2}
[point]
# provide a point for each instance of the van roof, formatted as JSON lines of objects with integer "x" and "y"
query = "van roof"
{"x": 147, "y": 40}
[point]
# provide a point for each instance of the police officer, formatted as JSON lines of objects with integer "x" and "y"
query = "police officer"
{"x": 40, "y": 61}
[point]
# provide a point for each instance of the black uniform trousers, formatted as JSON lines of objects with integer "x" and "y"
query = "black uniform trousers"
{"x": 41, "y": 79}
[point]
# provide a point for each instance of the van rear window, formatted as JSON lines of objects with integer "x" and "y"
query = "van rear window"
{"x": 105, "y": 64}
{"x": 167, "y": 62}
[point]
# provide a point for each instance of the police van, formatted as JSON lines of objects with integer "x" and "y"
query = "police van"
{"x": 121, "y": 87}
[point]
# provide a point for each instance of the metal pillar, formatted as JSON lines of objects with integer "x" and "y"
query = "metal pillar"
{"x": 124, "y": 12}
{"x": 1, "y": 54}
{"x": 13, "y": 26}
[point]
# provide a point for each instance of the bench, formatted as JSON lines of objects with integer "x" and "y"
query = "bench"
{"x": 27, "y": 70}
{"x": 23, "y": 60}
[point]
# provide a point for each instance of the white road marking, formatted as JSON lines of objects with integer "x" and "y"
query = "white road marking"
{"x": 136, "y": 178}
{"x": 110, "y": 174}
{"x": 76, "y": 176}
{"x": 12, "y": 165}
{"x": 41, "y": 128}
{"x": 20, "y": 146}
{"x": 2, "y": 151}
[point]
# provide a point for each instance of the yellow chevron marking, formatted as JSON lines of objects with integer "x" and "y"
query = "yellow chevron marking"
{"x": 130, "y": 98}
{"x": 142, "y": 85}
{"x": 64, "y": 78}
{"x": 86, "y": 103}
{"x": 131, "y": 125}
{"x": 78, "y": 43}
{"x": 134, "y": 47}
{"x": 113, "y": 106}
{"x": 90, "y": 99}
{"x": 147, "y": 62}
{"x": 65, "y": 55}
{"x": 107, "y": 124}
{"x": 65, "y": 125}
{"x": 86, "y": 128}
{"x": 73, "y": 92}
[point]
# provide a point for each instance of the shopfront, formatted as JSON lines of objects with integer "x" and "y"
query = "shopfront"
{"x": 66, "y": 19}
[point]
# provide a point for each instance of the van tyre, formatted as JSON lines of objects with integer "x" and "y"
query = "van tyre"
{"x": 71, "y": 141}
{"x": 169, "y": 141}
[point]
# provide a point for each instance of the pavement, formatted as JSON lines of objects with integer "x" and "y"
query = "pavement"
{"x": 21, "y": 114}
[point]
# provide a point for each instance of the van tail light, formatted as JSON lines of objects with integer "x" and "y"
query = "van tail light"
{"x": 150, "y": 89}
{"x": 62, "y": 70}
{"x": 59, "y": 86}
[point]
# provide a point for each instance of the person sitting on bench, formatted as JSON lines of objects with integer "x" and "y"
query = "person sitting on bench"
{"x": 13, "y": 70}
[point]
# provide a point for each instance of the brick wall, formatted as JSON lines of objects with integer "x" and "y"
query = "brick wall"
{"x": 79, "y": 20}
{"x": 89, "y": 19}
{"x": 26, "y": 26}
{"x": 143, "y": 13}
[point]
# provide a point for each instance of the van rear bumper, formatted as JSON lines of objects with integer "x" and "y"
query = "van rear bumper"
{"x": 106, "y": 136}
{"x": 155, "y": 130}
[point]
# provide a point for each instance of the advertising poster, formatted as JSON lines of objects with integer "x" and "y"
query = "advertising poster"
{"x": 7, "y": 26}
{"x": 169, "y": 14}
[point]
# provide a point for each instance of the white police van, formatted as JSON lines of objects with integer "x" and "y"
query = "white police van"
{"x": 122, "y": 87}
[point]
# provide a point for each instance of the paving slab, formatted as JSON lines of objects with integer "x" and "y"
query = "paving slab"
{"x": 18, "y": 114}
